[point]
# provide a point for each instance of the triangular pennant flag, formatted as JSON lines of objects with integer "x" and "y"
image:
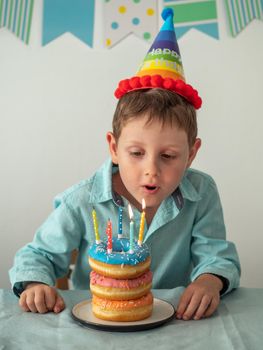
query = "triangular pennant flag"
{"x": 123, "y": 17}
{"x": 16, "y": 15}
{"x": 241, "y": 12}
{"x": 74, "y": 16}
{"x": 189, "y": 14}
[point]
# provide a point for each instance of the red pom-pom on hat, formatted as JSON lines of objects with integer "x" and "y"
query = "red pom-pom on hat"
{"x": 188, "y": 91}
{"x": 135, "y": 83}
{"x": 157, "y": 81}
{"x": 169, "y": 83}
{"x": 124, "y": 85}
{"x": 118, "y": 93}
{"x": 197, "y": 103}
{"x": 179, "y": 86}
{"x": 145, "y": 80}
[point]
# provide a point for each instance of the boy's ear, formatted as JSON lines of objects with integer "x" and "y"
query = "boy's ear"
{"x": 193, "y": 151}
{"x": 112, "y": 147}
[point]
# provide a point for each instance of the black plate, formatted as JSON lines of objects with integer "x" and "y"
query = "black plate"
{"x": 162, "y": 313}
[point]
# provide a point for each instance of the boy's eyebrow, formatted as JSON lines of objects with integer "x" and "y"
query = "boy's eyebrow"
{"x": 132, "y": 143}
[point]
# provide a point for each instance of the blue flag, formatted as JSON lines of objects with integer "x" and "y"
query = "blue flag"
{"x": 74, "y": 16}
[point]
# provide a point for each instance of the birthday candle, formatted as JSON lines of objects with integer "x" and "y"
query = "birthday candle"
{"x": 141, "y": 230}
{"x": 95, "y": 225}
{"x": 120, "y": 222}
{"x": 109, "y": 234}
{"x": 131, "y": 228}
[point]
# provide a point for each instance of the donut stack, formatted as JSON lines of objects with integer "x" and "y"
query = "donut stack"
{"x": 120, "y": 281}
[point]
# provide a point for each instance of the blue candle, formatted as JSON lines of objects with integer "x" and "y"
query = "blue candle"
{"x": 131, "y": 229}
{"x": 120, "y": 222}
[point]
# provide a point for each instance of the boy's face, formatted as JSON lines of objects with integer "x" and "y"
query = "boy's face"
{"x": 152, "y": 160}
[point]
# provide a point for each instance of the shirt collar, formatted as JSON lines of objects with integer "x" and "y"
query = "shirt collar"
{"x": 188, "y": 190}
{"x": 101, "y": 190}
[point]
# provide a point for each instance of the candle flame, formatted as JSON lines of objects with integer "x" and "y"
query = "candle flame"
{"x": 130, "y": 211}
{"x": 143, "y": 204}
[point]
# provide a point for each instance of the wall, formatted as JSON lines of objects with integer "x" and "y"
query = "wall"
{"x": 57, "y": 104}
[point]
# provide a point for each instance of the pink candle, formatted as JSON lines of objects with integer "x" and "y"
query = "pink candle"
{"x": 109, "y": 235}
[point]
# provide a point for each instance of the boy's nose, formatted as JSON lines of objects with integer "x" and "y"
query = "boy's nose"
{"x": 152, "y": 168}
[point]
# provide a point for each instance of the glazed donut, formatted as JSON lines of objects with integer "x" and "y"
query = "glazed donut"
{"x": 117, "y": 289}
{"x": 120, "y": 264}
{"x": 123, "y": 310}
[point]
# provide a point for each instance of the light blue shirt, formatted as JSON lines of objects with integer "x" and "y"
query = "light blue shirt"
{"x": 186, "y": 237}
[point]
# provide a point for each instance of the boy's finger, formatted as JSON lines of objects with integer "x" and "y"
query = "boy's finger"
{"x": 183, "y": 304}
{"x": 30, "y": 301}
{"x": 22, "y": 302}
{"x": 191, "y": 308}
{"x": 59, "y": 305}
{"x": 212, "y": 307}
{"x": 50, "y": 298}
{"x": 40, "y": 302}
{"x": 204, "y": 305}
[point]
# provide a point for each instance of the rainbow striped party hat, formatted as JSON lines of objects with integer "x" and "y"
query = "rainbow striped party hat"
{"x": 162, "y": 67}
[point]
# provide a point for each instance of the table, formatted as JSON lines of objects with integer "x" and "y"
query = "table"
{"x": 237, "y": 324}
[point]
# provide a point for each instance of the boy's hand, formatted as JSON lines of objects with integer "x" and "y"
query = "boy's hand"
{"x": 200, "y": 299}
{"x": 39, "y": 297}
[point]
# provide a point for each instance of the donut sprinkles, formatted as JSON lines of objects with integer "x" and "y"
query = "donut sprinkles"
{"x": 120, "y": 252}
{"x": 120, "y": 263}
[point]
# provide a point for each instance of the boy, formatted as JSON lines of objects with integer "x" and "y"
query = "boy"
{"x": 152, "y": 146}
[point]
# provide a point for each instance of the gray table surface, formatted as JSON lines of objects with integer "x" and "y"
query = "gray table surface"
{"x": 237, "y": 324}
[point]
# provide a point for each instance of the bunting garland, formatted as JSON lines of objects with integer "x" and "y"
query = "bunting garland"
{"x": 241, "y": 12}
{"x": 122, "y": 17}
{"x": 16, "y": 16}
{"x": 200, "y": 15}
{"x": 74, "y": 16}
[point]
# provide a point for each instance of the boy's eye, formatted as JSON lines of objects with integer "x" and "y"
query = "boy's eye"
{"x": 136, "y": 153}
{"x": 168, "y": 156}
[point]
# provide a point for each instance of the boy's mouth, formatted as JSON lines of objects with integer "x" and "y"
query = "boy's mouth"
{"x": 151, "y": 188}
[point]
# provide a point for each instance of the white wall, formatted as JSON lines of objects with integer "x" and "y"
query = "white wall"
{"x": 57, "y": 104}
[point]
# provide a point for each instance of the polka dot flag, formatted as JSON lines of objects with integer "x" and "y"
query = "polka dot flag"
{"x": 123, "y": 17}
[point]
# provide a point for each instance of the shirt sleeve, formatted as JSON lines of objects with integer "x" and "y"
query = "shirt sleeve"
{"x": 47, "y": 257}
{"x": 211, "y": 252}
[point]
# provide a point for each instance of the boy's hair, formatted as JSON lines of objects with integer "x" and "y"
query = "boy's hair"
{"x": 157, "y": 104}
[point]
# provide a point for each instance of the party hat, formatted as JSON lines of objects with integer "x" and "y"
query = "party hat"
{"x": 162, "y": 67}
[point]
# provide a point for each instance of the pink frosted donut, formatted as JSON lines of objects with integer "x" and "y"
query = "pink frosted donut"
{"x": 120, "y": 289}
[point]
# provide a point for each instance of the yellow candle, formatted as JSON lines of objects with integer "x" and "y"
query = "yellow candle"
{"x": 95, "y": 224}
{"x": 142, "y": 223}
